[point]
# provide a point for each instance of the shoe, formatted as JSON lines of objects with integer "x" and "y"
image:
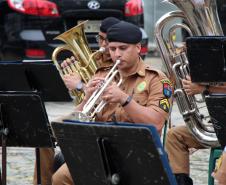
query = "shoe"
{"x": 58, "y": 161}
{"x": 183, "y": 179}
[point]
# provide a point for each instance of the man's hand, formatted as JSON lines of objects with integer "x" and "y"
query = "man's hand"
{"x": 71, "y": 80}
{"x": 68, "y": 61}
{"x": 113, "y": 94}
{"x": 92, "y": 85}
{"x": 192, "y": 88}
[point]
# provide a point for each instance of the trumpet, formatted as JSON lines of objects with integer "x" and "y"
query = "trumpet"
{"x": 91, "y": 108}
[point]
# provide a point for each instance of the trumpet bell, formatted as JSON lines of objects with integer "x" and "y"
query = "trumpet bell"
{"x": 80, "y": 116}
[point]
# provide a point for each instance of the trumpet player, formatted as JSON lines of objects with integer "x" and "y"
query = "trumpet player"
{"x": 73, "y": 81}
{"x": 144, "y": 91}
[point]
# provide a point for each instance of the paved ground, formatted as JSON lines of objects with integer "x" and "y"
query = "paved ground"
{"x": 21, "y": 160}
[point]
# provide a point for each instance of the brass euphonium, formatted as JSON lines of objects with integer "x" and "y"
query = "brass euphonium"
{"x": 76, "y": 42}
{"x": 200, "y": 19}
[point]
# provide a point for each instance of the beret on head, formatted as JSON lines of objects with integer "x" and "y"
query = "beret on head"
{"x": 107, "y": 23}
{"x": 124, "y": 32}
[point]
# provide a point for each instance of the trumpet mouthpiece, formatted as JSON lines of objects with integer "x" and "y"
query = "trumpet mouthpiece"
{"x": 117, "y": 61}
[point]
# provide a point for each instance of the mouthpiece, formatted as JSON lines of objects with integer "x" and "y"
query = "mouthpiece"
{"x": 117, "y": 61}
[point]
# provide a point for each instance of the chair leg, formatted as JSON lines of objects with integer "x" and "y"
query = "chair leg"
{"x": 164, "y": 134}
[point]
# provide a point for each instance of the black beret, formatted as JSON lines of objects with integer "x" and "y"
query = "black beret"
{"x": 124, "y": 32}
{"x": 107, "y": 23}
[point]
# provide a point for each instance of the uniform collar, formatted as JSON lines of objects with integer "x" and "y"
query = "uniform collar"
{"x": 141, "y": 68}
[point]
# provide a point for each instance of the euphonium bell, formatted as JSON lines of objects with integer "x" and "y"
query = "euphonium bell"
{"x": 76, "y": 42}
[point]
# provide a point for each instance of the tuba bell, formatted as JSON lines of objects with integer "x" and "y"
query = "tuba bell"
{"x": 199, "y": 18}
{"x": 85, "y": 65}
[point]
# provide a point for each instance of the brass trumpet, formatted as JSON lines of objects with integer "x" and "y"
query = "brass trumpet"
{"x": 84, "y": 65}
{"x": 91, "y": 108}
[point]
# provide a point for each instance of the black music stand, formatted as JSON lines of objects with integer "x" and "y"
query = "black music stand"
{"x": 108, "y": 154}
{"x": 206, "y": 56}
{"x": 216, "y": 105}
{"x": 23, "y": 123}
{"x": 33, "y": 76}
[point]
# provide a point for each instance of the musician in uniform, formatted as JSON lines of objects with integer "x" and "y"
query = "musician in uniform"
{"x": 74, "y": 82}
{"x": 144, "y": 95}
{"x": 179, "y": 140}
{"x": 194, "y": 88}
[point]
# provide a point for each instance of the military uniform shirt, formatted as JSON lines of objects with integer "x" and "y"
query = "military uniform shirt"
{"x": 147, "y": 86}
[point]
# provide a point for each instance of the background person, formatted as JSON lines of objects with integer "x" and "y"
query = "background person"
{"x": 179, "y": 139}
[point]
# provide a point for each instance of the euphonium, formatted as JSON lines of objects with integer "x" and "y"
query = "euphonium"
{"x": 94, "y": 104}
{"x": 200, "y": 19}
{"x": 76, "y": 42}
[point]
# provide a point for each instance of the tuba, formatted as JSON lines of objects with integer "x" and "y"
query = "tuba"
{"x": 199, "y": 18}
{"x": 76, "y": 42}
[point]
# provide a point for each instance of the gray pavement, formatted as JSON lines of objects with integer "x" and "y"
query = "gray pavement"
{"x": 21, "y": 160}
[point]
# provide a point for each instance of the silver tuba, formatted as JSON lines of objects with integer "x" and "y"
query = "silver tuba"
{"x": 199, "y": 18}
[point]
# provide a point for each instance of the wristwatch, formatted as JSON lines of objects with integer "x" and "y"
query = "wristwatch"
{"x": 128, "y": 100}
{"x": 206, "y": 90}
{"x": 79, "y": 86}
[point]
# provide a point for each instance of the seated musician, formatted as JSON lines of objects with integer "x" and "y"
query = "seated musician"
{"x": 179, "y": 140}
{"x": 74, "y": 82}
{"x": 143, "y": 97}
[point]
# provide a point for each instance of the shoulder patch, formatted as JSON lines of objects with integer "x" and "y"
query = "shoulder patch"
{"x": 167, "y": 88}
{"x": 164, "y": 105}
{"x": 166, "y": 81}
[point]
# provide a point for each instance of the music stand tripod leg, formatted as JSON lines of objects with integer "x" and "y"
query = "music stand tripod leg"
{"x": 4, "y": 133}
{"x": 37, "y": 153}
{"x": 0, "y": 177}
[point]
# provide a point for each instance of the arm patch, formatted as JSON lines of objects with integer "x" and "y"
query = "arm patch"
{"x": 164, "y": 105}
{"x": 167, "y": 88}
